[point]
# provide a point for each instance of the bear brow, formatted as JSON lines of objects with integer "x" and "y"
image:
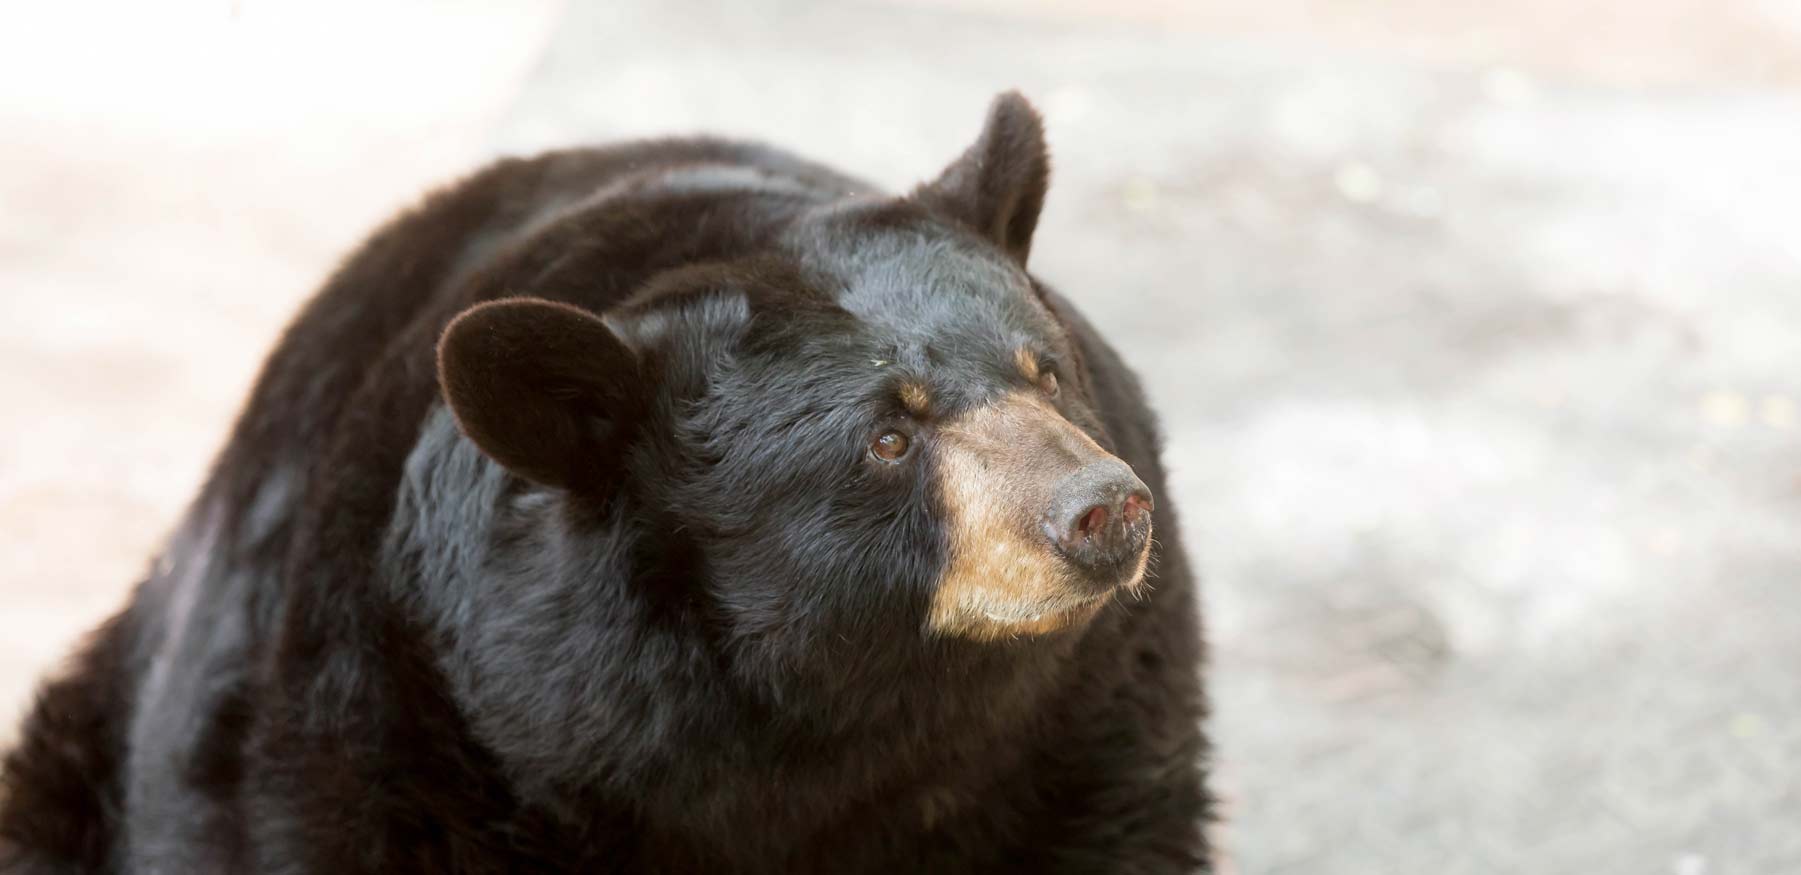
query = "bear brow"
{"x": 917, "y": 399}
{"x": 1026, "y": 361}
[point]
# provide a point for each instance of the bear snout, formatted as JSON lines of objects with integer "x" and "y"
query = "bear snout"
{"x": 1044, "y": 523}
{"x": 1099, "y": 520}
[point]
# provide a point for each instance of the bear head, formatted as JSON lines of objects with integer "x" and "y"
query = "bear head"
{"x": 874, "y": 429}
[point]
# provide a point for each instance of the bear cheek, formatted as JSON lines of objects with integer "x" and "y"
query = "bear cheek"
{"x": 1001, "y": 579}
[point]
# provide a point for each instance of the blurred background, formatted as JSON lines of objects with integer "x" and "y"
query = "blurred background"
{"x": 1475, "y": 328}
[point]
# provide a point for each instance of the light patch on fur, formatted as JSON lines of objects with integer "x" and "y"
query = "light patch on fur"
{"x": 917, "y": 400}
{"x": 708, "y": 178}
{"x": 1027, "y": 363}
{"x": 1003, "y": 580}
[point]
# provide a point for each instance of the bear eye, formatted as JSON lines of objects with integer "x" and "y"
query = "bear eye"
{"x": 890, "y": 446}
{"x": 1047, "y": 383}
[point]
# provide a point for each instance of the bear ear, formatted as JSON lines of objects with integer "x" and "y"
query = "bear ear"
{"x": 545, "y": 389}
{"x": 997, "y": 186}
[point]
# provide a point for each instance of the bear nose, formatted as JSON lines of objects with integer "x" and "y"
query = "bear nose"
{"x": 1099, "y": 519}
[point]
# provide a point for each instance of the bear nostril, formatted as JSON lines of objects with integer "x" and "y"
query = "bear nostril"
{"x": 1092, "y": 521}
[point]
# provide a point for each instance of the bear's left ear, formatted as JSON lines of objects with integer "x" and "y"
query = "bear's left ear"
{"x": 997, "y": 186}
{"x": 545, "y": 389}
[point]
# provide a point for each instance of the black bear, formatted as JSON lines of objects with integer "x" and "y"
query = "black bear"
{"x": 678, "y": 506}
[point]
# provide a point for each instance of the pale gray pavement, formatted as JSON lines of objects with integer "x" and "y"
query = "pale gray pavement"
{"x": 1476, "y": 332}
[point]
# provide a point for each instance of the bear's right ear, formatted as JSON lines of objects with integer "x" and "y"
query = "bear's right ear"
{"x": 997, "y": 186}
{"x": 543, "y": 388}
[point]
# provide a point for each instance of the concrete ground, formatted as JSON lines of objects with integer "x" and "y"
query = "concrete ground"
{"x": 1476, "y": 330}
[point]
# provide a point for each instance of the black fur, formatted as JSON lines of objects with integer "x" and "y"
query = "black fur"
{"x": 680, "y": 630}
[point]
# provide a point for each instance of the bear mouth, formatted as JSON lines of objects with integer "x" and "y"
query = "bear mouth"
{"x": 1063, "y": 610}
{"x": 1044, "y": 616}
